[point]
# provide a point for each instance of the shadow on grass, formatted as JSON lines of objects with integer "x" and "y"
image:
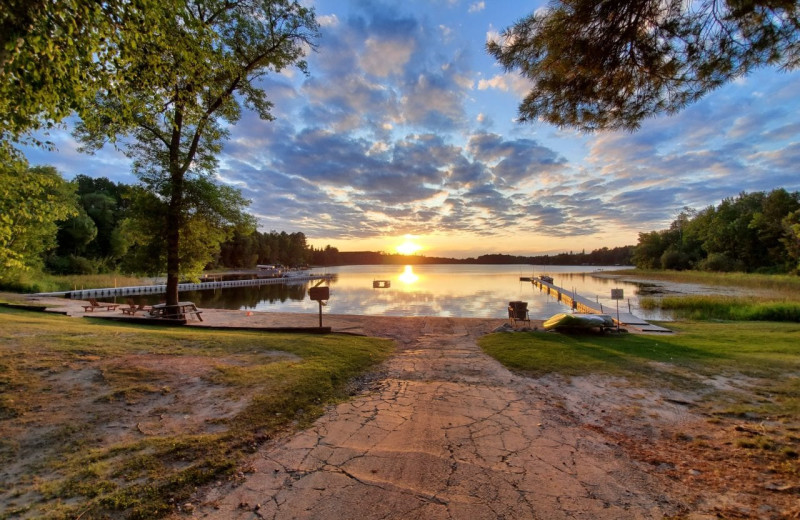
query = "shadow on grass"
{"x": 626, "y": 355}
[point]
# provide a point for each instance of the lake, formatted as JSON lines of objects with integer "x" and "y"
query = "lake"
{"x": 477, "y": 291}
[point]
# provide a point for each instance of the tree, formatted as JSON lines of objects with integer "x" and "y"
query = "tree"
{"x": 32, "y": 200}
{"x": 791, "y": 239}
{"x": 213, "y": 53}
{"x": 214, "y": 216}
{"x": 55, "y": 56}
{"x": 609, "y": 64}
{"x": 647, "y": 254}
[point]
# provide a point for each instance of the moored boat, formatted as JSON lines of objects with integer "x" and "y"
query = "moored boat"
{"x": 578, "y": 321}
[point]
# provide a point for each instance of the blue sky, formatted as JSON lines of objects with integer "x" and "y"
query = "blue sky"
{"x": 406, "y": 126}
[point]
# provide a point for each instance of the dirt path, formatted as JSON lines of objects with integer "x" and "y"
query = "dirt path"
{"x": 445, "y": 432}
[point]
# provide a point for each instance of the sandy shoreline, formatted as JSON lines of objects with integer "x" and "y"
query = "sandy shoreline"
{"x": 379, "y": 326}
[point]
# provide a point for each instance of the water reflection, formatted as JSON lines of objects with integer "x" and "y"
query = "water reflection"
{"x": 408, "y": 277}
{"x": 428, "y": 290}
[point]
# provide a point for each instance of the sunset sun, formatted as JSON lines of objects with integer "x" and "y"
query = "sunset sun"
{"x": 408, "y": 247}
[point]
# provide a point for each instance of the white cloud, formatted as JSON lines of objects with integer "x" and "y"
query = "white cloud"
{"x": 507, "y": 83}
{"x": 328, "y": 20}
{"x": 383, "y": 58}
{"x": 477, "y": 7}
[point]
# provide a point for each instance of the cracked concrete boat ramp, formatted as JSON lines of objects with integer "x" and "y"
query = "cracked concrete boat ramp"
{"x": 446, "y": 432}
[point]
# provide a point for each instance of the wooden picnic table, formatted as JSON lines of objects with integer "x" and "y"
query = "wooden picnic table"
{"x": 162, "y": 310}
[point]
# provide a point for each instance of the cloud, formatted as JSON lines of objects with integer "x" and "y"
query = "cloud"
{"x": 384, "y": 57}
{"x": 509, "y": 82}
{"x": 404, "y": 125}
{"x": 476, "y": 7}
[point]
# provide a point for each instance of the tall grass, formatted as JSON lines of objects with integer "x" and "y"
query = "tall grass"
{"x": 782, "y": 286}
{"x": 735, "y": 308}
{"x": 31, "y": 282}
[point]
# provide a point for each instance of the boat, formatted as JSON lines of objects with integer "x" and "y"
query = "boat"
{"x": 381, "y": 284}
{"x": 545, "y": 278}
{"x": 578, "y": 321}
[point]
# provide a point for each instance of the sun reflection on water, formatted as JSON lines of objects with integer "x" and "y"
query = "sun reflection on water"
{"x": 408, "y": 277}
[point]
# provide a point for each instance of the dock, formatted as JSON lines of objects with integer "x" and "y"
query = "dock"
{"x": 82, "y": 294}
{"x": 584, "y": 305}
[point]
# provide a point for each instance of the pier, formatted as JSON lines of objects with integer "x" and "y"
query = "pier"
{"x": 586, "y": 306}
{"x": 82, "y": 294}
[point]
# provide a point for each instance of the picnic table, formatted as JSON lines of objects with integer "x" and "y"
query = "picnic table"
{"x": 162, "y": 310}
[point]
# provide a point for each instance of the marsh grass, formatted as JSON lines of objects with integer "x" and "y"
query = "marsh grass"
{"x": 30, "y": 282}
{"x": 65, "y": 467}
{"x": 778, "y": 286}
{"x": 734, "y": 308}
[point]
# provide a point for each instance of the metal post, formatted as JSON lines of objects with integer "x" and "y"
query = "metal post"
{"x": 320, "y": 313}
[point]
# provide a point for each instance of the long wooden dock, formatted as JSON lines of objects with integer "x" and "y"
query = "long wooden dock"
{"x": 584, "y": 305}
{"x": 82, "y": 294}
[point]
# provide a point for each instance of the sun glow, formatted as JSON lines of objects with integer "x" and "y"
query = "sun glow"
{"x": 408, "y": 276}
{"x": 409, "y": 247}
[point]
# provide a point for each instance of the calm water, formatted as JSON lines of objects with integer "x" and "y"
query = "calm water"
{"x": 479, "y": 291}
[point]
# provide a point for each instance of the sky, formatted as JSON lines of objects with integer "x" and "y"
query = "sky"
{"x": 404, "y": 133}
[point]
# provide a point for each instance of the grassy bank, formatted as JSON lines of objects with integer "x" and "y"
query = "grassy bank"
{"x": 768, "y": 353}
{"x": 779, "y": 286}
{"x": 715, "y": 406}
{"x": 711, "y": 307}
{"x": 768, "y": 297}
{"x": 100, "y": 419}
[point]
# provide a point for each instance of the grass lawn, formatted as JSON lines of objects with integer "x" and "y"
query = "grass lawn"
{"x": 766, "y": 352}
{"x": 100, "y": 419}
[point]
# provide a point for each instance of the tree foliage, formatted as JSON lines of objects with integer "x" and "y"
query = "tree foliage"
{"x": 247, "y": 250}
{"x": 91, "y": 241}
{"x": 209, "y": 62}
{"x": 216, "y": 215}
{"x": 32, "y": 201}
{"x": 751, "y": 232}
{"x": 609, "y": 64}
{"x": 55, "y": 56}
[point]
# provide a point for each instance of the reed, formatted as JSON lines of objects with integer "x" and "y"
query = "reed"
{"x": 31, "y": 282}
{"x": 780, "y": 286}
{"x": 734, "y": 308}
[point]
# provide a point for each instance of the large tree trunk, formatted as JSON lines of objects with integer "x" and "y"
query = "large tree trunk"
{"x": 174, "y": 224}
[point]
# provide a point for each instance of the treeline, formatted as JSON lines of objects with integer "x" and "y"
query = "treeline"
{"x": 246, "y": 250}
{"x": 753, "y": 232}
{"x": 332, "y": 256}
{"x": 95, "y": 226}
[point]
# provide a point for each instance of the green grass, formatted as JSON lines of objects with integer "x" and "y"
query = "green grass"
{"x": 70, "y": 470}
{"x": 32, "y": 282}
{"x": 766, "y": 351}
{"x": 735, "y": 308}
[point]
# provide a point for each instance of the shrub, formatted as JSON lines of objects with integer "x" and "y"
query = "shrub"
{"x": 719, "y": 262}
{"x": 674, "y": 259}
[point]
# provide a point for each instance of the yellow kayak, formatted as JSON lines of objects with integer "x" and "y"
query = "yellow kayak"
{"x": 578, "y": 321}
